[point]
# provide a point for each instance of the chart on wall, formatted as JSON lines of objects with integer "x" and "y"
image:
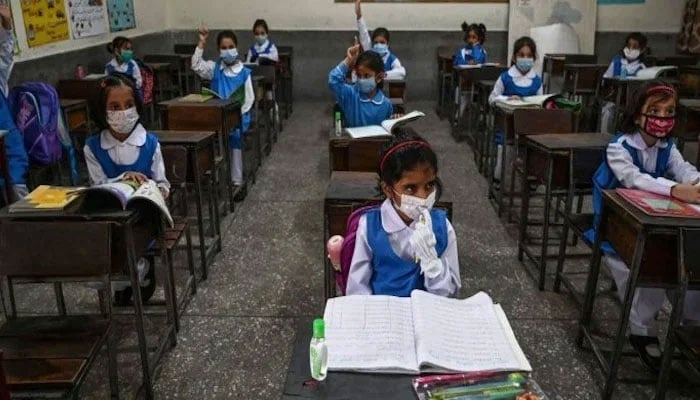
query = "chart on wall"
{"x": 557, "y": 26}
{"x": 44, "y": 21}
{"x": 87, "y": 18}
{"x": 121, "y": 15}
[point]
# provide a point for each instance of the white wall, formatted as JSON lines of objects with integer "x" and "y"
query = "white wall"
{"x": 653, "y": 16}
{"x": 151, "y": 16}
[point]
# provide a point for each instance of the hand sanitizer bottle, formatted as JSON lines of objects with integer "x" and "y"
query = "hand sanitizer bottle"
{"x": 338, "y": 124}
{"x": 318, "y": 352}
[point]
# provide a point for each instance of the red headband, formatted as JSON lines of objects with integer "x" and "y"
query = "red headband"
{"x": 419, "y": 143}
{"x": 661, "y": 88}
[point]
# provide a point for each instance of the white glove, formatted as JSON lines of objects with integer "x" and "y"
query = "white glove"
{"x": 423, "y": 243}
{"x": 20, "y": 191}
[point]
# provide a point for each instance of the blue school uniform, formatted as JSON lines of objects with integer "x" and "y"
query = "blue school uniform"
{"x": 357, "y": 109}
{"x": 468, "y": 53}
{"x": 617, "y": 67}
{"x": 130, "y": 66}
{"x": 17, "y": 159}
{"x": 392, "y": 275}
{"x": 389, "y": 62}
{"x": 112, "y": 169}
{"x": 605, "y": 179}
{"x": 511, "y": 89}
{"x": 254, "y": 54}
{"x": 233, "y": 86}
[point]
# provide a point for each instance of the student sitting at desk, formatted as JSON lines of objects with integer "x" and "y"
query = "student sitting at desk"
{"x": 405, "y": 244}
{"x": 123, "y": 61}
{"x": 125, "y": 151}
{"x": 628, "y": 62}
{"x": 517, "y": 82}
{"x": 263, "y": 51}
{"x": 230, "y": 79}
{"x": 641, "y": 157}
{"x": 472, "y": 53}
{"x": 379, "y": 43}
{"x": 17, "y": 160}
{"x": 362, "y": 103}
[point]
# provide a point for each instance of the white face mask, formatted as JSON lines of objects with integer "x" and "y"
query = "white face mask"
{"x": 124, "y": 121}
{"x": 631, "y": 54}
{"x": 412, "y": 206}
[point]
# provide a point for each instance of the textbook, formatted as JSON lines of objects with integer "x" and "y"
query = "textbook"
{"x": 45, "y": 198}
{"x": 651, "y": 72}
{"x": 658, "y": 205}
{"x": 473, "y": 66}
{"x": 123, "y": 195}
{"x": 421, "y": 333}
{"x": 196, "y": 98}
{"x": 526, "y": 102}
{"x": 385, "y": 129}
{"x": 209, "y": 92}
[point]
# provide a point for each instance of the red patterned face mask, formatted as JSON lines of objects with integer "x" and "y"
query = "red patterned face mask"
{"x": 658, "y": 127}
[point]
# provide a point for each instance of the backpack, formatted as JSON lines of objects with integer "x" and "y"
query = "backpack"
{"x": 37, "y": 113}
{"x": 147, "y": 83}
{"x": 348, "y": 247}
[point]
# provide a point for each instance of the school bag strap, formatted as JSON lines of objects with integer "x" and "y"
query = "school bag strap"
{"x": 348, "y": 247}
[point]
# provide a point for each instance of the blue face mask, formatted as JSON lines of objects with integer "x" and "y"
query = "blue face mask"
{"x": 524, "y": 64}
{"x": 380, "y": 48}
{"x": 260, "y": 39}
{"x": 367, "y": 85}
{"x": 229, "y": 56}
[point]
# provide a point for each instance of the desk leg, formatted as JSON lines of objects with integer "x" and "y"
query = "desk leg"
{"x": 591, "y": 283}
{"x": 568, "y": 210}
{"x": 138, "y": 311}
{"x": 229, "y": 175}
{"x": 200, "y": 215}
{"x": 624, "y": 318}
{"x": 524, "y": 206}
{"x": 545, "y": 222}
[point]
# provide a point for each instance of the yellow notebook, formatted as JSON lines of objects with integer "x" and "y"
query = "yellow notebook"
{"x": 46, "y": 198}
{"x": 196, "y": 98}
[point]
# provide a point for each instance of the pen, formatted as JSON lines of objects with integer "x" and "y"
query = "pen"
{"x": 456, "y": 392}
{"x": 496, "y": 395}
{"x": 467, "y": 378}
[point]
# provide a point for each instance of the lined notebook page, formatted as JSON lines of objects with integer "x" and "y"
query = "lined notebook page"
{"x": 461, "y": 335}
{"x": 370, "y": 333}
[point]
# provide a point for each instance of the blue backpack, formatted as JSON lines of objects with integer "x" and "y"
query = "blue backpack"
{"x": 38, "y": 116}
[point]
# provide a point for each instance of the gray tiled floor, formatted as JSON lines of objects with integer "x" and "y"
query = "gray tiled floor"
{"x": 238, "y": 330}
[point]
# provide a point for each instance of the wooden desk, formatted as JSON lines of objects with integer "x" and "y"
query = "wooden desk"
{"x": 180, "y": 62}
{"x": 220, "y": 116}
{"x": 546, "y": 158}
{"x": 286, "y": 68}
{"x": 582, "y": 79}
{"x": 162, "y": 72}
{"x": 482, "y": 146}
{"x": 347, "y": 191}
{"x": 688, "y": 123}
{"x": 345, "y": 385}
{"x": 649, "y": 246}
{"x": 85, "y": 89}
{"x": 554, "y": 66}
{"x": 620, "y": 91}
{"x": 502, "y": 125}
{"x": 200, "y": 154}
{"x": 360, "y": 155}
{"x": 396, "y": 90}
{"x": 445, "y": 62}
{"x": 464, "y": 82}
{"x": 689, "y": 78}
{"x": 60, "y": 231}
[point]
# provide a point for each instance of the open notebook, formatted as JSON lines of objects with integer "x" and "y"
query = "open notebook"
{"x": 652, "y": 72}
{"x": 386, "y": 127}
{"x": 525, "y": 102}
{"x": 421, "y": 333}
{"x": 658, "y": 205}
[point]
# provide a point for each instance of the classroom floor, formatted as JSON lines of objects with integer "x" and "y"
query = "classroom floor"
{"x": 237, "y": 332}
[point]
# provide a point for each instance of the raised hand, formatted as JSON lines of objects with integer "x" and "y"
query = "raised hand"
{"x": 203, "y": 35}
{"x": 6, "y": 16}
{"x": 358, "y": 8}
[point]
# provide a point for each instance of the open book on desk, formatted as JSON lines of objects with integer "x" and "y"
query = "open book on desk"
{"x": 421, "y": 333}
{"x": 472, "y": 66}
{"x": 124, "y": 195}
{"x": 658, "y": 205}
{"x": 526, "y": 102}
{"x": 652, "y": 72}
{"x": 386, "y": 128}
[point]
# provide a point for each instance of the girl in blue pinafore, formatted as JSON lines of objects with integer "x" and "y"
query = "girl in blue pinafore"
{"x": 405, "y": 244}
{"x": 519, "y": 81}
{"x": 230, "y": 79}
{"x": 125, "y": 151}
{"x": 643, "y": 157}
{"x": 123, "y": 61}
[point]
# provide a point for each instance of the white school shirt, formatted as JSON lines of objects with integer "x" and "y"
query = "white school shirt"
{"x": 7, "y": 58}
{"x": 631, "y": 67}
{"x": 397, "y": 70}
{"x": 205, "y": 70}
{"x": 125, "y": 153}
{"x": 445, "y": 284}
{"x": 124, "y": 67}
{"x": 518, "y": 78}
{"x": 621, "y": 164}
{"x": 273, "y": 55}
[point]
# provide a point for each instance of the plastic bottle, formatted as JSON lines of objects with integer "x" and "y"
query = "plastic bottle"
{"x": 623, "y": 72}
{"x": 318, "y": 352}
{"x": 338, "y": 124}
